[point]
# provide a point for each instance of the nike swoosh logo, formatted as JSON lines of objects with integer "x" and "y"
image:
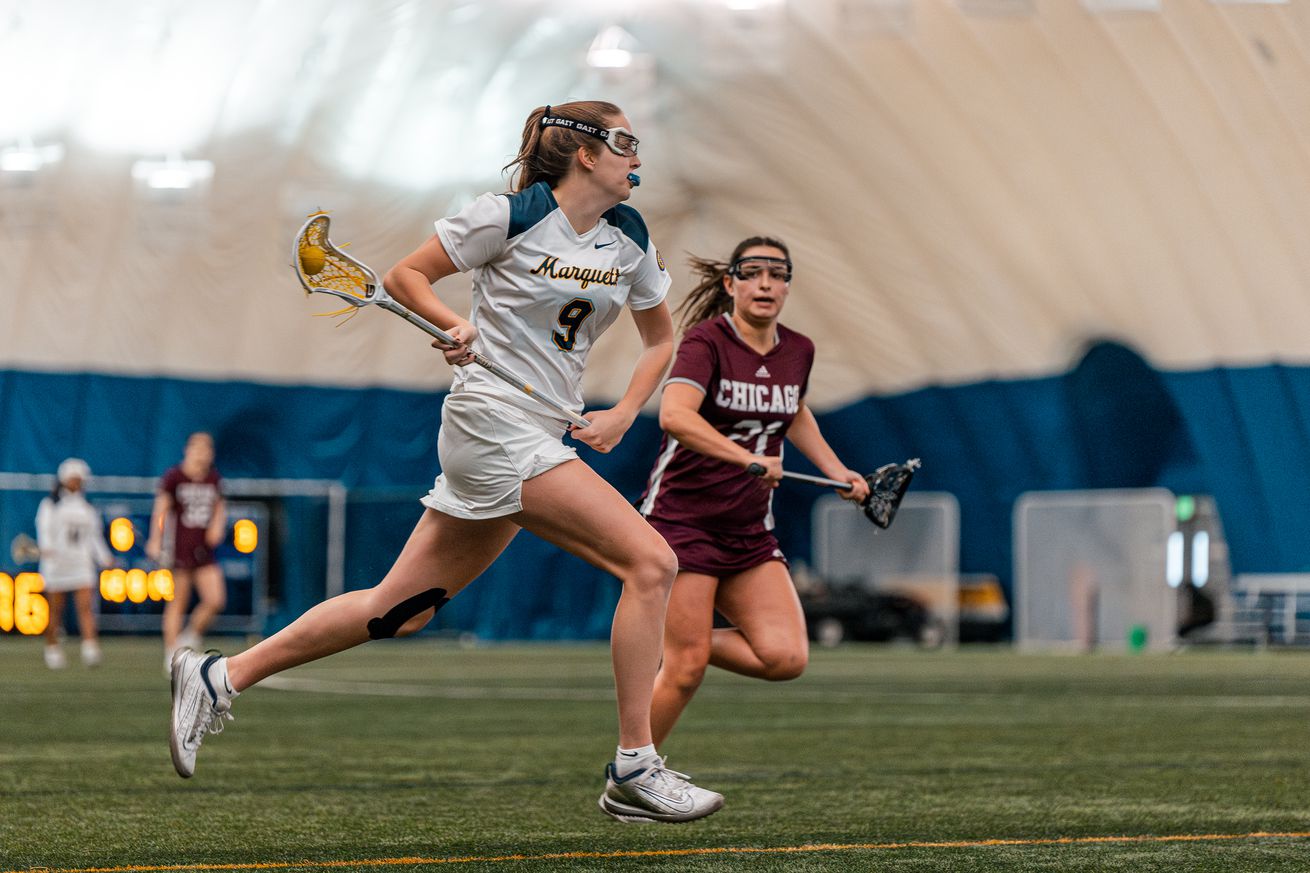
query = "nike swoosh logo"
{"x": 603, "y": 245}
{"x": 204, "y": 674}
{"x": 683, "y": 805}
{"x": 619, "y": 780}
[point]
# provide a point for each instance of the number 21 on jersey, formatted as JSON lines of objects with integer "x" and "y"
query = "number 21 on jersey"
{"x": 753, "y": 428}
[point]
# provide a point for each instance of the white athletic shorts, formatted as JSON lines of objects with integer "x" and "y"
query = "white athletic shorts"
{"x": 56, "y": 583}
{"x": 487, "y": 448}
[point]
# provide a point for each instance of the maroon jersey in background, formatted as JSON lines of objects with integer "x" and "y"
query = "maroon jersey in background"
{"x": 193, "y": 509}
{"x": 749, "y": 398}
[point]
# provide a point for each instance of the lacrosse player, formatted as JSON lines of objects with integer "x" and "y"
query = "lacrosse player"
{"x": 70, "y": 534}
{"x": 188, "y": 522}
{"x": 553, "y": 263}
{"x": 736, "y": 389}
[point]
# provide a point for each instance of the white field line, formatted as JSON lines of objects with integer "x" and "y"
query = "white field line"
{"x": 764, "y": 694}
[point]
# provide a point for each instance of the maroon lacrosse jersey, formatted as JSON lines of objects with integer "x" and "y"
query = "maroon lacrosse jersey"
{"x": 193, "y": 509}
{"x": 750, "y": 398}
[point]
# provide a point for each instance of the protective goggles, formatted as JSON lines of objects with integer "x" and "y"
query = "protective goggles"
{"x": 619, "y": 139}
{"x": 746, "y": 269}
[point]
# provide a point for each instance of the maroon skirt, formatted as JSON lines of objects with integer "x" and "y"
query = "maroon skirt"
{"x": 718, "y": 554}
{"x": 189, "y": 549}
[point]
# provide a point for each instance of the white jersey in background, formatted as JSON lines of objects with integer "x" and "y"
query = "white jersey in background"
{"x": 542, "y": 293}
{"x": 71, "y": 535}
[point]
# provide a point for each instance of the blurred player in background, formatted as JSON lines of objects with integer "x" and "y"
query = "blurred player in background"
{"x": 187, "y": 524}
{"x": 554, "y": 264}
{"x": 70, "y": 533}
{"x": 736, "y": 389}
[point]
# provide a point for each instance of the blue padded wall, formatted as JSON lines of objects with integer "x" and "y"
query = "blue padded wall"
{"x": 1112, "y": 421}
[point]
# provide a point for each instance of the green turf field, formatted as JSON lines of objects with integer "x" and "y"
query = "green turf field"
{"x": 463, "y": 757}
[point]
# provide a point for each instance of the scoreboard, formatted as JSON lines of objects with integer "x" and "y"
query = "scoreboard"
{"x": 133, "y": 593}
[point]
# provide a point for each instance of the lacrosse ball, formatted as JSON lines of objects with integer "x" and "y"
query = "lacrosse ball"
{"x": 312, "y": 259}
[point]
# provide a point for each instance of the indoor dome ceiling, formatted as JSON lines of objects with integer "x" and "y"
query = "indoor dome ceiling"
{"x": 971, "y": 189}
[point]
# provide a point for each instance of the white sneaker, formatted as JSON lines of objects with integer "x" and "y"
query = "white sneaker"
{"x": 655, "y": 793}
{"x": 91, "y": 656}
{"x": 189, "y": 639}
{"x": 54, "y": 658}
{"x": 199, "y": 707}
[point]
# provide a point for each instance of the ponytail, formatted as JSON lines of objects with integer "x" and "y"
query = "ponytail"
{"x": 546, "y": 153}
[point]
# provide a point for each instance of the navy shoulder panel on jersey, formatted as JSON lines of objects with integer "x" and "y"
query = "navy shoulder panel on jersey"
{"x": 530, "y": 206}
{"x": 630, "y": 224}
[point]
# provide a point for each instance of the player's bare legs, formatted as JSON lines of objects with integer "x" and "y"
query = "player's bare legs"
{"x": 212, "y": 594}
{"x": 687, "y": 642}
{"x": 442, "y": 555}
{"x": 54, "y": 655}
{"x": 767, "y": 642}
{"x": 58, "y": 599}
{"x": 574, "y": 508}
{"x": 442, "y": 552}
{"x": 175, "y": 610}
{"x": 86, "y": 618}
{"x": 86, "y": 626}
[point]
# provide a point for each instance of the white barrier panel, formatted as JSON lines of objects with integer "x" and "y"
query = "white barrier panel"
{"x": 924, "y": 540}
{"x": 919, "y": 556}
{"x": 1271, "y": 602}
{"x": 1090, "y": 570}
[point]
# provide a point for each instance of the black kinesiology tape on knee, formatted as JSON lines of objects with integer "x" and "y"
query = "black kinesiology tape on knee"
{"x": 385, "y": 628}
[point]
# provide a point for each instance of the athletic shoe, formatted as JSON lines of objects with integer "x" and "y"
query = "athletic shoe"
{"x": 655, "y": 793}
{"x": 189, "y": 639}
{"x": 199, "y": 707}
{"x": 54, "y": 658}
{"x": 91, "y": 656}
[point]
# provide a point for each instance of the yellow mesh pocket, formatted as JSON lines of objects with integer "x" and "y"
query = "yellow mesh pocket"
{"x": 321, "y": 265}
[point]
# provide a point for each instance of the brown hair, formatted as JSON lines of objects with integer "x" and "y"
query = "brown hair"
{"x": 710, "y": 298}
{"x": 547, "y": 153}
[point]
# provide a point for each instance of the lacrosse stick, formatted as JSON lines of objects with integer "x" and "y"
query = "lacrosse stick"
{"x": 887, "y": 485}
{"x": 24, "y": 550}
{"x": 323, "y": 268}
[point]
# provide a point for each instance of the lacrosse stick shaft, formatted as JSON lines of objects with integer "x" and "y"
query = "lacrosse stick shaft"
{"x": 817, "y": 480}
{"x": 367, "y": 289}
{"x": 758, "y": 470}
{"x": 496, "y": 369}
{"x": 887, "y": 486}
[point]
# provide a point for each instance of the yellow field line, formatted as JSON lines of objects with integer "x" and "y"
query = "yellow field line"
{"x": 675, "y": 853}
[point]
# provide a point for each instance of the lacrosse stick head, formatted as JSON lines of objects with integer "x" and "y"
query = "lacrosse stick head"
{"x": 887, "y": 485}
{"x": 24, "y": 550}
{"x": 322, "y": 268}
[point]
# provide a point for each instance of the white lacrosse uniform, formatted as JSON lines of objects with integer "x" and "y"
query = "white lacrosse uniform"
{"x": 71, "y": 535}
{"x": 542, "y": 295}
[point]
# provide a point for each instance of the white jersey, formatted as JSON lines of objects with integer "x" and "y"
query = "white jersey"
{"x": 71, "y": 536}
{"x": 542, "y": 293}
